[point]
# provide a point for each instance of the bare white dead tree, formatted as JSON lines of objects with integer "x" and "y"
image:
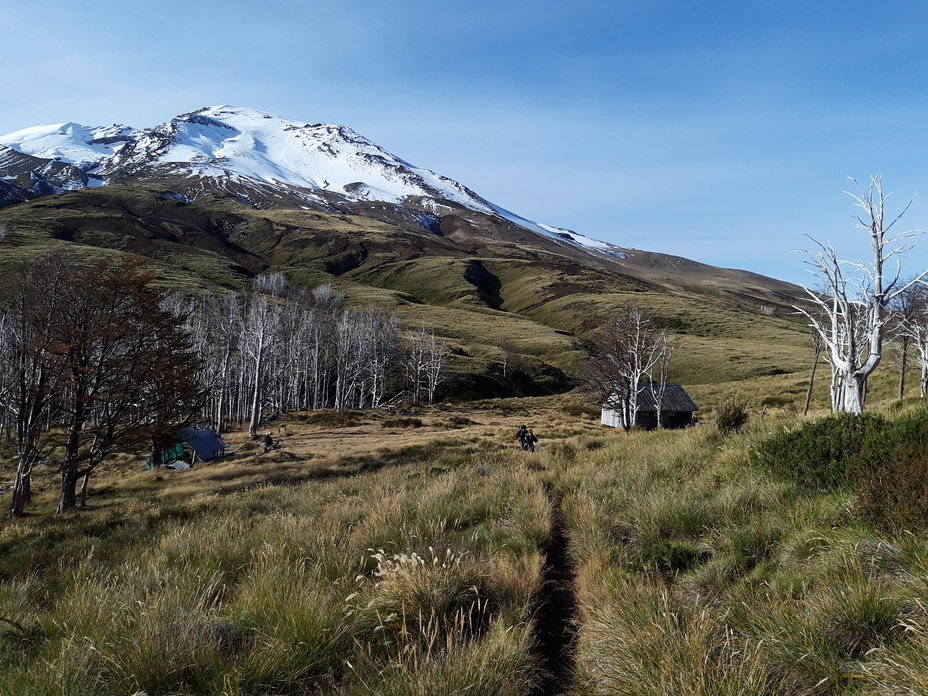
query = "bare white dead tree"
{"x": 662, "y": 372}
{"x": 436, "y": 359}
{"x": 911, "y": 326}
{"x": 906, "y": 311}
{"x": 509, "y": 357}
{"x": 625, "y": 349}
{"x": 426, "y": 355}
{"x": 816, "y": 344}
{"x": 921, "y": 344}
{"x": 349, "y": 358}
{"x": 414, "y": 365}
{"x": 383, "y": 352}
{"x": 260, "y": 339}
{"x": 854, "y": 303}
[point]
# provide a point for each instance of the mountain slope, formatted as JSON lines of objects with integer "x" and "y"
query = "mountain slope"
{"x": 262, "y": 159}
{"x": 220, "y": 194}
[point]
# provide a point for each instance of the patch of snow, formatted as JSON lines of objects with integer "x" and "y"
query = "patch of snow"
{"x": 84, "y": 147}
{"x": 584, "y": 241}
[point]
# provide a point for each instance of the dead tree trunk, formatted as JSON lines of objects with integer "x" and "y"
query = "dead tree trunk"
{"x": 817, "y": 351}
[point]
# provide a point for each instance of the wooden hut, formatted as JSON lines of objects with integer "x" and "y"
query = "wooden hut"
{"x": 676, "y": 408}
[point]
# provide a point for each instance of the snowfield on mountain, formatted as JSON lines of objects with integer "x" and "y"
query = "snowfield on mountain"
{"x": 254, "y": 155}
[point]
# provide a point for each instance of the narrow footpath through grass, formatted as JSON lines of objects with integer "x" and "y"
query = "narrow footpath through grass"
{"x": 555, "y": 627}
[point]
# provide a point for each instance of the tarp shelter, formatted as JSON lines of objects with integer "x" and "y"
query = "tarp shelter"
{"x": 175, "y": 451}
{"x": 204, "y": 441}
{"x": 676, "y": 408}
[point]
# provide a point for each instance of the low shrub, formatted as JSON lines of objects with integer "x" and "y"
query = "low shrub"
{"x": 892, "y": 492}
{"x": 730, "y": 415}
{"x": 458, "y": 422}
{"x": 578, "y": 410}
{"x": 821, "y": 454}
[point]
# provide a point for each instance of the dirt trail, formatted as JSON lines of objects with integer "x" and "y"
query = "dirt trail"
{"x": 557, "y": 609}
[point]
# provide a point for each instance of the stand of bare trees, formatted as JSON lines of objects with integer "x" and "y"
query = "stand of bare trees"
{"x": 850, "y": 314}
{"x": 276, "y": 348}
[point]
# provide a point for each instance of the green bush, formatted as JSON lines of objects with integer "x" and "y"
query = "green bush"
{"x": 730, "y": 415}
{"x": 823, "y": 453}
{"x": 884, "y": 462}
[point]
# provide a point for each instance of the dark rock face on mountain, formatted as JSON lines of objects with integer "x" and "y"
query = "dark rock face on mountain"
{"x": 35, "y": 176}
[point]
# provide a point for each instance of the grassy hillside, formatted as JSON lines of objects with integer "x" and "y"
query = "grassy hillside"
{"x": 476, "y": 281}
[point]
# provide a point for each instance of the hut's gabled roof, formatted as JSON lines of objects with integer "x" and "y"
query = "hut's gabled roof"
{"x": 675, "y": 398}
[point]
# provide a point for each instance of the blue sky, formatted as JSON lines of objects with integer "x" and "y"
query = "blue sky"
{"x": 720, "y": 131}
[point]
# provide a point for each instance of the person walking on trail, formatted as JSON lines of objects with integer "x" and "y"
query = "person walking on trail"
{"x": 530, "y": 440}
{"x": 526, "y": 438}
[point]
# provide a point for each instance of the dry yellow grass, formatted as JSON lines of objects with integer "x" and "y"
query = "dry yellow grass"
{"x": 317, "y": 451}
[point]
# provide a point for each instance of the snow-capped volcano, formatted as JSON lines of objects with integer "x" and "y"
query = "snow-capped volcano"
{"x": 259, "y": 158}
{"x": 245, "y": 145}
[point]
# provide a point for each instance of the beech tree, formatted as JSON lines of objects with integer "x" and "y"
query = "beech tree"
{"x": 623, "y": 351}
{"x": 102, "y": 366}
{"x": 26, "y": 387}
{"x": 850, "y": 314}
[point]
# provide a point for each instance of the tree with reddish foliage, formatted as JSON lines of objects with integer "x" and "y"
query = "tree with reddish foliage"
{"x": 26, "y": 370}
{"x": 117, "y": 367}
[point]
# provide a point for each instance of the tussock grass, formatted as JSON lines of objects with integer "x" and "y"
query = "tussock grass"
{"x": 391, "y": 582}
{"x": 641, "y": 640}
{"x": 700, "y": 572}
{"x": 416, "y": 571}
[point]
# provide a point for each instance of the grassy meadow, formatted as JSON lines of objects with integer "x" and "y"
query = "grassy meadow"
{"x": 384, "y": 554}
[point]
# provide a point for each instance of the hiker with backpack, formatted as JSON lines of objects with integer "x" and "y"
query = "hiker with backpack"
{"x": 526, "y": 438}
